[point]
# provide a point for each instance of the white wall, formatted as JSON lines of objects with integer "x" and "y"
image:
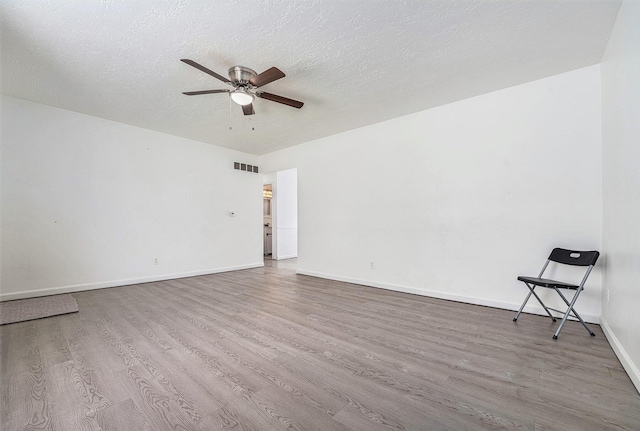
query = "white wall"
{"x": 456, "y": 201}
{"x": 91, "y": 203}
{"x": 621, "y": 166}
{"x": 286, "y": 199}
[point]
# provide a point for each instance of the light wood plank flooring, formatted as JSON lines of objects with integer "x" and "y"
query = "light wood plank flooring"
{"x": 266, "y": 349}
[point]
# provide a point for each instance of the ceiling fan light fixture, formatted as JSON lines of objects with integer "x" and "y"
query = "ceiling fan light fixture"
{"x": 242, "y": 97}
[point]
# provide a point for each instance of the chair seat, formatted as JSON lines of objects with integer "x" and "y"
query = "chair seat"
{"x": 545, "y": 282}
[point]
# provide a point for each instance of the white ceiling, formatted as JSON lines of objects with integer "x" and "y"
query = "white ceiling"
{"x": 353, "y": 62}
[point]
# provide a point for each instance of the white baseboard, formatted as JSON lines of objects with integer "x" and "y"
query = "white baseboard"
{"x": 288, "y": 256}
{"x": 628, "y": 365}
{"x": 115, "y": 283}
{"x": 440, "y": 295}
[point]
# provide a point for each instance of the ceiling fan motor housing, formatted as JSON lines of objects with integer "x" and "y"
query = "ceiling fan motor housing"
{"x": 241, "y": 74}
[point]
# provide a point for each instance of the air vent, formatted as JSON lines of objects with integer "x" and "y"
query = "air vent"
{"x": 245, "y": 167}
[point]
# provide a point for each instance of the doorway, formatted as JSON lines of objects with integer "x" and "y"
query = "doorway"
{"x": 280, "y": 215}
{"x": 267, "y": 220}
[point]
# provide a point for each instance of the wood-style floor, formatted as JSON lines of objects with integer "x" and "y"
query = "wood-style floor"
{"x": 266, "y": 349}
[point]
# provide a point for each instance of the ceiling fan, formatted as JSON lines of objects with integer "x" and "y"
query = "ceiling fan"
{"x": 245, "y": 83}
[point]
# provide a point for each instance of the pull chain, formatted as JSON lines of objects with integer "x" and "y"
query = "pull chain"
{"x": 230, "y": 128}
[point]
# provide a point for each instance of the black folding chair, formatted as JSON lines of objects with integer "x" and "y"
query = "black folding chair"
{"x": 566, "y": 257}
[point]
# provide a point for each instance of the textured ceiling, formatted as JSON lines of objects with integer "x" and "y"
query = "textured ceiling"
{"x": 352, "y": 62}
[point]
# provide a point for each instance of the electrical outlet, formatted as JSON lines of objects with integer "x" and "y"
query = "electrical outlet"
{"x": 155, "y": 261}
{"x": 373, "y": 265}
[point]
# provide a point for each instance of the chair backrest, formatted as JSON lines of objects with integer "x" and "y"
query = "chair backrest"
{"x": 574, "y": 257}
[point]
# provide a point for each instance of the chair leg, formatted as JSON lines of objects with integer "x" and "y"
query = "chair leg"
{"x": 572, "y": 310}
{"x": 583, "y": 323}
{"x": 539, "y": 300}
{"x": 542, "y": 303}
{"x": 523, "y": 304}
